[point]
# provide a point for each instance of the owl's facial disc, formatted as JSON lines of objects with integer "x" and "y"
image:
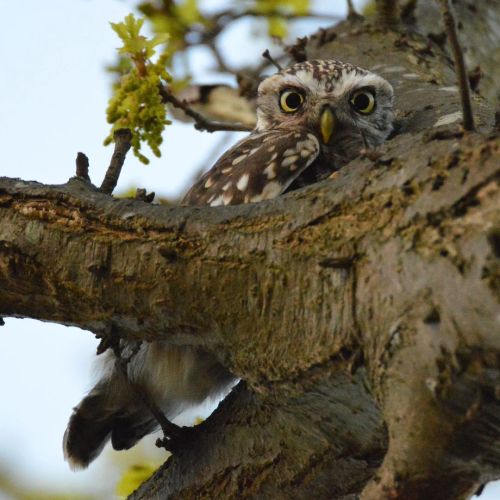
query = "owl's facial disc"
{"x": 327, "y": 124}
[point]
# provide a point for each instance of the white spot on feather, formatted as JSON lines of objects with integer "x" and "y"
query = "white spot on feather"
{"x": 239, "y": 159}
{"x": 209, "y": 182}
{"x": 270, "y": 170}
{"x": 289, "y": 161}
{"x": 218, "y": 201}
{"x": 243, "y": 182}
{"x": 271, "y": 190}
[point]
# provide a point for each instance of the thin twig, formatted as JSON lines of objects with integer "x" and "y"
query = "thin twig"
{"x": 142, "y": 195}
{"x": 82, "y": 166}
{"x": 123, "y": 139}
{"x": 267, "y": 55}
{"x": 387, "y": 13}
{"x": 458, "y": 57}
{"x": 201, "y": 123}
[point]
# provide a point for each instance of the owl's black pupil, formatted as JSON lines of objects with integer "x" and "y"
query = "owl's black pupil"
{"x": 361, "y": 101}
{"x": 293, "y": 100}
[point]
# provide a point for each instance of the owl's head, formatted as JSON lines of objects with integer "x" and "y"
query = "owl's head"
{"x": 344, "y": 106}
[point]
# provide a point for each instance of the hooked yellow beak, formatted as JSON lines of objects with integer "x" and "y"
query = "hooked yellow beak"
{"x": 327, "y": 123}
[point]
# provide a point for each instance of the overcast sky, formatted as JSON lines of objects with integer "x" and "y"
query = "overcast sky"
{"x": 53, "y": 93}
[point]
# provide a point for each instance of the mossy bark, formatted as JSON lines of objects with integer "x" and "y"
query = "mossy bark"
{"x": 361, "y": 312}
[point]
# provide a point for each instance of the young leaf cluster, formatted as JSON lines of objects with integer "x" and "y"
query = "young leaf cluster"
{"x": 136, "y": 103}
{"x": 176, "y": 19}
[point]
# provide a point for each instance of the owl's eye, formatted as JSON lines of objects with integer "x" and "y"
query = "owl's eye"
{"x": 291, "y": 100}
{"x": 363, "y": 102}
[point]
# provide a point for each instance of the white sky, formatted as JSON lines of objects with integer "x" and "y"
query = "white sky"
{"x": 53, "y": 93}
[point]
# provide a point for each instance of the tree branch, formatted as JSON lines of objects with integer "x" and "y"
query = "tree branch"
{"x": 123, "y": 138}
{"x": 82, "y": 166}
{"x": 201, "y": 123}
{"x": 361, "y": 312}
{"x": 458, "y": 57}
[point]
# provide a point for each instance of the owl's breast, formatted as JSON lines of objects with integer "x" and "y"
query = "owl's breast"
{"x": 325, "y": 164}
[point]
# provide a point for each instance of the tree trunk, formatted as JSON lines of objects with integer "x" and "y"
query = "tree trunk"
{"x": 362, "y": 312}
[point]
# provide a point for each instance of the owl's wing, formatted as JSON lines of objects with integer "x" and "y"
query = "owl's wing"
{"x": 259, "y": 167}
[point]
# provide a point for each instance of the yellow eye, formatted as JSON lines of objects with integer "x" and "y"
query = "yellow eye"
{"x": 291, "y": 100}
{"x": 363, "y": 102}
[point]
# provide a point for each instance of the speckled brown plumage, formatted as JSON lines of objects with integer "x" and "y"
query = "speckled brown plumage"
{"x": 287, "y": 150}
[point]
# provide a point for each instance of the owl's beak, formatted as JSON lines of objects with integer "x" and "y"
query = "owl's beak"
{"x": 327, "y": 124}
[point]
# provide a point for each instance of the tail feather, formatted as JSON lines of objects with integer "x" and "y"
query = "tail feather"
{"x": 87, "y": 432}
{"x": 174, "y": 377}
{"x": 96, "y": 420}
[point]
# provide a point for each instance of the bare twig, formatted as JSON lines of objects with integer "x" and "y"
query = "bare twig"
{"x": 142, "y": 195}
{"x": 387, "y": 13}
{"x": 201, "y": 123}
{"x": 123, "y": 139}
{"x": 458, "y": 57}
{"x": 82, "y": 166}
{"x": 267, "y": 55}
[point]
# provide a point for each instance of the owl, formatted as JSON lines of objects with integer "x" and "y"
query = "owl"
{"x": 312, "y": 118}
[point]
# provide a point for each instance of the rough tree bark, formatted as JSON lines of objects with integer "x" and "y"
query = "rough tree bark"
{"x": 362, "y": 313}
